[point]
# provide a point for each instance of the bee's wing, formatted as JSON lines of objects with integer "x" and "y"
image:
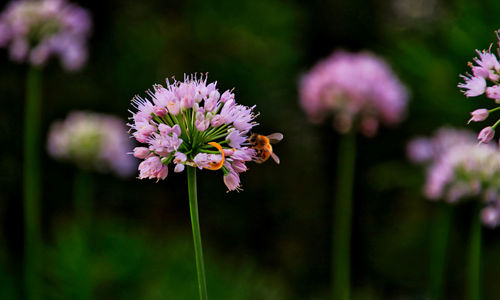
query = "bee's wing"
{"x": 275, "y": 137}
{"x": 275, "y": 158}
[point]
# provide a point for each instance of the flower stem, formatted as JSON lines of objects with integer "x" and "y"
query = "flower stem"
{"x": 32, "y": 186}
{"x": 439, "y": 242}
{"x": 496, "y": 124}
{"x": 494, "y": 109}
{"x": 195, "y": 223}
{"x": 83, "y": 191}
{"x": 83, "y": 198}
{"x": 474, "y": 258}
{"x": 342, "y": 218}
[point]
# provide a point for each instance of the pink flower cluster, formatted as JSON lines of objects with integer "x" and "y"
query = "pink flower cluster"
{"x": 92, "y": 140}
{"x": 460, "y": 169}
{"x": 35, "y": 30}
{"x": 355, "y": 88}
{"x": 485, "y": 79}
{"x": 191, "y": 123}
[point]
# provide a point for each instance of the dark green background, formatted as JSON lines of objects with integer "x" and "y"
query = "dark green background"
{"x": 272, "y": 240}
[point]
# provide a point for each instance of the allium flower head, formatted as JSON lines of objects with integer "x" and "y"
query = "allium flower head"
{"x": 191, "y": 123}
{"x": 356, "y": 88}
{"x": 92, "y": 140}
{"x": 35, "y": 30}
{"x": 485, "y": 79}
{"x": 461, "y": 169}
{"x": 427, "y": 150}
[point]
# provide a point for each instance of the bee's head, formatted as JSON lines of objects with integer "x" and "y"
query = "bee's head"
{"x": 253, "y": 138}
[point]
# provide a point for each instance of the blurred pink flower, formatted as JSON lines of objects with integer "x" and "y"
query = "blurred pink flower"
{"x": 459, "y": 169}
{"x": 491, "y": 216}
{"x": 420, "y": 150}
{"x": 353, "y": 86}
{"x": 425, "y": 150}
{"x": 36, "y": 30}
{"x": 93, "y": 140}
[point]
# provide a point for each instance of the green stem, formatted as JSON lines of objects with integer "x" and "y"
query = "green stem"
{"x": 439, "y": 242}
{"x": 218, "y": 137}
{"x": 474, "y": 258}
{"x": 195, "y": 223}
{"x": 83, "y": 199}
{"x": 83, "y": 191}
{"x": 494, "y": 109}
{"x": 342, "y": 218}
{"x": 32, "y": 186}
{"x": 167, "y": 119}
{"x": 208, "y": 135}
{"x": 209, "y": 151}
{"x": 184, "y": 134}
{"x": 496, "y": 124}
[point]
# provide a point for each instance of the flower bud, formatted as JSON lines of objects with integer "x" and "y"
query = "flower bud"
{"x": 493, "y": 76}
{"x": 226, "y": 96}
{"x": 486, "y": 135}
{"x": 174, "y": 106}
{"x": 229, "y": 152}
{"x": 479, "y": 71}
{"x": 239, "y": 166}
{"x": 179, "y": 157}
{"x": 214, "y": 95}
{"x": 217, "y": 121}
{"x": 164, "y": 129}
{"x": 232, "y": 181}
{"x": 479, "y": 115}
{"x": 186, "y": 103}
{"x": 160, "y": 111}
{"x": 162, "y": 174}
{"x": 202, "y": 125}
{"x": 141, "y": 152}
{"x": 176, "y": 129}
{"x": 493, "y": 92}
{"x": 179, "y": 168}
{"x": 473, "y": 86}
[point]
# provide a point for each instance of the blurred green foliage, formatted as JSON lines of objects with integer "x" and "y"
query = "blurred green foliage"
{"x": 125, "y": 262}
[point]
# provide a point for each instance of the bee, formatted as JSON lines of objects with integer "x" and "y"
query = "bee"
{"x": 262, "y": 145}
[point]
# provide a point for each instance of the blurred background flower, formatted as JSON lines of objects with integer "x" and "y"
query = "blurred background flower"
{"x": 33, "y": 31}
{"x": 460, "y": 169}
{"x": 359, "y": 89}
{"x": 92, "y": 141}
